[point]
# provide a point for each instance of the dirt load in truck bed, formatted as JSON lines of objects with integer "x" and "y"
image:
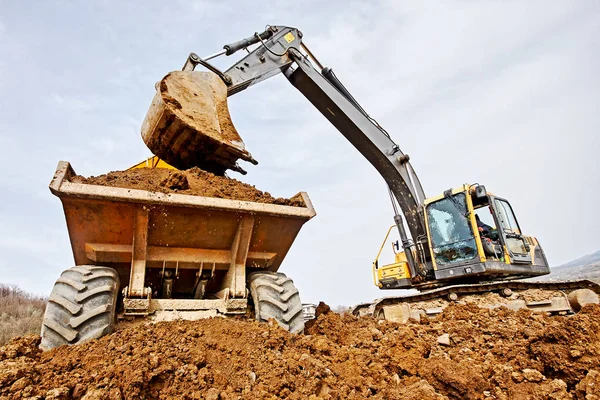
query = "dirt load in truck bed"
{"x": 193, "y": 181}
{"x": 464, "y": 353}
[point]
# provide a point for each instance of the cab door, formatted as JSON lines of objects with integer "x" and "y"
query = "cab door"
{"x": 510, "y": 232}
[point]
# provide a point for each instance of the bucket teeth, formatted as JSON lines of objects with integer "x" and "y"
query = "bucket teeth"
{"x": 239, "y": 169}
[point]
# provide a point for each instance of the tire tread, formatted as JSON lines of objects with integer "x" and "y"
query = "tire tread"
{"x": 81, "y": 306}
{"x": 275, "y": 297}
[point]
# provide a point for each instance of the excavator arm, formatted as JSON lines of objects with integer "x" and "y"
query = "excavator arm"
{"x": 280, "y": 50}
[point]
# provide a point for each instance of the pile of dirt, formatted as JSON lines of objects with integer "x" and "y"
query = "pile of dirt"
{"x": 465, "y": 353}
{"x": 193, "y": 181}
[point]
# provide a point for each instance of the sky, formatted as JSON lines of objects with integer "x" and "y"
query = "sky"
{"x": 503, "y": 93}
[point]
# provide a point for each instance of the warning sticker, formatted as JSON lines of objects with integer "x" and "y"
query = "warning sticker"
{"x": 289, "y": 37}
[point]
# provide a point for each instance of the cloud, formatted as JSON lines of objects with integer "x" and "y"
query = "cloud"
{"x": 70, "y": 103}
{"x": 33, "y": 253}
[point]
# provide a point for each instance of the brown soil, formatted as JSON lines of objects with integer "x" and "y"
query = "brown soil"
{"x": 199, "y": 99}
{"x": 193, "y": 181}
{"x": 496, "y": 354}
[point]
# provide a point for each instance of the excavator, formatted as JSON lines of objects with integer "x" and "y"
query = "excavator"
{"x": 465, "y": 244}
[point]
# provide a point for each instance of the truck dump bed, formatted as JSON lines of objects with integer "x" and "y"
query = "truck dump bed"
{"x": 142, "y": 234}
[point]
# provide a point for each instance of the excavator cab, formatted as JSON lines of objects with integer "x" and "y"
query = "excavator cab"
{"x": 472, "y": 235}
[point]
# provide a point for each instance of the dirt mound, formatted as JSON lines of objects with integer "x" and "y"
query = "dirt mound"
{"x": 193, "y": 181}
{"x": 466, "y": 352}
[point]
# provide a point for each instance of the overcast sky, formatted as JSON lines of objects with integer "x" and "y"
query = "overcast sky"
{"x": 504, "y": 93}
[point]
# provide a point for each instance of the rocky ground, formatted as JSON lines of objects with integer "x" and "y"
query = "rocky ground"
{"x": 465, "y": 353}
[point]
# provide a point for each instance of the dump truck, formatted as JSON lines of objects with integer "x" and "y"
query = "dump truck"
{"x": 168, "y": 256}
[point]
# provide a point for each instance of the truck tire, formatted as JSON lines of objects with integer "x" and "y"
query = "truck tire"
{"x": 81, "y": 306}
{"x": 275, "y": 296}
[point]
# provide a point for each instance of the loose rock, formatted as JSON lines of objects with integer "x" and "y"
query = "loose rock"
{"x": 444, "y": 339}
{"x": 533, "y": 375}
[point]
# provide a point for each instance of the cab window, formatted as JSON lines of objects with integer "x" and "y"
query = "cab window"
{"x": 451, "y": 234}
{"x": 484, "y": 214}
{"x": 507, "y": 217}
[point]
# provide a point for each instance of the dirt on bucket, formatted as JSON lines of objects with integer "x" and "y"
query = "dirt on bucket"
{"x": 188, "y": 123}
{"x": 484, "y": 354}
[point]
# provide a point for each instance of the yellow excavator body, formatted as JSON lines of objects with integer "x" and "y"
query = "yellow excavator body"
{"x": 152, "y": 162}
{"x": 398, "y": 270}
{"x": 478, "y": 246}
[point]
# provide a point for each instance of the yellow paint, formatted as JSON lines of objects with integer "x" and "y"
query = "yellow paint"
{"x": 375, "y": 263}
{"x": 152, "y": 162}
{"x": 397, "y": 270}
{"x": 401, "y": 257}
{"x": 506, "y": 256}
{"x": 474, "y": 227}
{"x": 289, "y": 37}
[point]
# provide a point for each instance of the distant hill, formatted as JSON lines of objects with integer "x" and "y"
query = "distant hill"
{"x": 593, "y": 258}
{"x": 584, "y": 267}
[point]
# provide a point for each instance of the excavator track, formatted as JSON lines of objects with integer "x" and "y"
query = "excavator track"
{"x": 551, "y": 296}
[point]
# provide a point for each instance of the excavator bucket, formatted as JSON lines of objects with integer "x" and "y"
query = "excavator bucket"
{"x": 188, "y": 124}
